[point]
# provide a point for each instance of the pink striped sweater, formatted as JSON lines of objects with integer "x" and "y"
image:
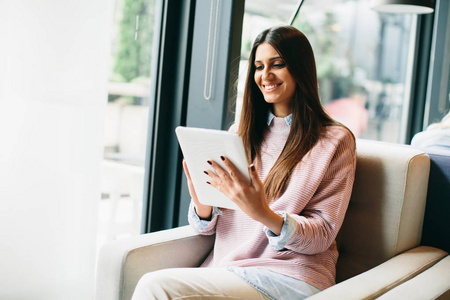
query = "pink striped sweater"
{"x": 317, "y": 198}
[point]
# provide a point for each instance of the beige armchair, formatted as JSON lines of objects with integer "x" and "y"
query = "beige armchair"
{"x": 379, "y": 243}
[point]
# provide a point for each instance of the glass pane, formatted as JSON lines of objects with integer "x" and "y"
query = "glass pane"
{"x": 361, "y": 59}
{"x": 126, "y": 120}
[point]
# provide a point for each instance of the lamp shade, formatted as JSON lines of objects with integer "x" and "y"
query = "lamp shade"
{"x": 403, "y": 6}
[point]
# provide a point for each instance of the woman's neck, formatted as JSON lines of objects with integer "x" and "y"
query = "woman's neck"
{"x": 281, "y": 112}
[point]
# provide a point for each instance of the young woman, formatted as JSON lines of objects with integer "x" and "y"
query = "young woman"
{"x": 281, "y": 243}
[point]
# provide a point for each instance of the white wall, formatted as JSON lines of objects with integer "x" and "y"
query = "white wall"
{"x": 53, "y": 71}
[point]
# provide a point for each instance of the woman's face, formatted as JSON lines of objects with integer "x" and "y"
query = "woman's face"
{"x": 274, "y": 80}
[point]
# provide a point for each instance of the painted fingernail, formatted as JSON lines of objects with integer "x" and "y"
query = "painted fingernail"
{"x": 253, "y": 168}
{"x": 209, "y": 162}
{"x": 208, "y": 182}
{"x": 222, "y": 158}
{"x": 205, "y": 172}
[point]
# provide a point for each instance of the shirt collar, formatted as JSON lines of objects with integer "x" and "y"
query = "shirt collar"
{"x": 271, "y": 116}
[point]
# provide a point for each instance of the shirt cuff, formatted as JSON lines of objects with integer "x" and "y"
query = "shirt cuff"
{"x": 278, "y": 242}
{"x": 198, "y": 223}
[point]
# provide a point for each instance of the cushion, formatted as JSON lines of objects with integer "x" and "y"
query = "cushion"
{"x": 433, "y": 283}
{"x": 385, "y": 214}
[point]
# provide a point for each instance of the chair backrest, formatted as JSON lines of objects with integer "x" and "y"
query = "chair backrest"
{"x": 385, "y": 214}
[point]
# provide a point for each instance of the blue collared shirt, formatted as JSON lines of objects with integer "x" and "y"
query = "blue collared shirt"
{"x": 271, "y": 116}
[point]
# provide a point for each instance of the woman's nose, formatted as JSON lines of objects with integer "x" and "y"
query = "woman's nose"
{"x": 267, "y": 73}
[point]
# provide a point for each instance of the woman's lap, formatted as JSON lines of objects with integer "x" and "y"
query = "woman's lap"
{"x": 194, "y": 283}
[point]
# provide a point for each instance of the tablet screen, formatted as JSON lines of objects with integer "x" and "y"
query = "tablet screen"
{"x": 200, "y": 145}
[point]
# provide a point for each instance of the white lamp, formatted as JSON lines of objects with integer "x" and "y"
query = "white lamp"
{"x": 403, "y": 6}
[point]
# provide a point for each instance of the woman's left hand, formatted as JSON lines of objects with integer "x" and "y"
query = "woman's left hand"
{"x": 250, "y": 197}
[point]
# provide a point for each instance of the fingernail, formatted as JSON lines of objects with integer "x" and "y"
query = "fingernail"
{"x": 209, "y": 162}
{"x": 208, "y": 182}
{"x": 222, "y": 158}
{"x": 253, "y": 168}
{"x": 205, "y": 172}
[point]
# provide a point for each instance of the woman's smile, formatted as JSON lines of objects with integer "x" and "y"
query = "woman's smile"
{"x": 272, "y": 87}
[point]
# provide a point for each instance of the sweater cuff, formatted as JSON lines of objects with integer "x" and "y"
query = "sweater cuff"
{"x": 278, "y": 242}
{"x": 198, "y": 223}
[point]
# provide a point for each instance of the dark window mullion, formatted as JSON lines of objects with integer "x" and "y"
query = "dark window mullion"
{"x": 218, "y": 61}
{"x": 420, "y": 74}
{"x": 178, "y": 98}
{"x": 169, "y": 94}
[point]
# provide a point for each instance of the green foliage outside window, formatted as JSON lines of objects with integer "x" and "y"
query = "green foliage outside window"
{"x": 133, "y": 48}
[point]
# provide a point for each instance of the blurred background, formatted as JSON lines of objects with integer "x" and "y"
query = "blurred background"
{"x": 78, "y": 113}
{"x": 361, "y": 59}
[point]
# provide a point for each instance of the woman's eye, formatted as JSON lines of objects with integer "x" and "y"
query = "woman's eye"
{"x": 258, "y": 67}
{"x": 280, "y": 65}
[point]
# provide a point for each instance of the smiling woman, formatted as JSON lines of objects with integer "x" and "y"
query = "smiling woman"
{"x": 280, "y": 243}
{"x": 274, "y": 80}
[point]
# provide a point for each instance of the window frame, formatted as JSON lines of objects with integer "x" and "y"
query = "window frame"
{"x": 179, "y": 48}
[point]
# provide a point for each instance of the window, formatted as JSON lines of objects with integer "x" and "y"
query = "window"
{"x": 126, "y": 120}
{"x": 361, "y": 58}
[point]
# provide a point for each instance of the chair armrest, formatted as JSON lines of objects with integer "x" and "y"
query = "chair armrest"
{"x": 432, "y": 283}
{"x": 122, "y": 263}
{"x": 382, "y": 278}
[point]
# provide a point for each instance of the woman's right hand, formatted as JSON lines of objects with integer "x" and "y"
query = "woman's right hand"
{"x": 203, "y": 211}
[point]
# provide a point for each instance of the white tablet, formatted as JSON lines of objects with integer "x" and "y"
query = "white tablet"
{"x": 200, "y": 145}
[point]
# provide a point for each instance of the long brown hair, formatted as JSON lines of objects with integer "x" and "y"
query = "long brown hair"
{"x": 308, "y": 116}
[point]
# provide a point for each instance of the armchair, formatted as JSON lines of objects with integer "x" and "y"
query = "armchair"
{"x": 379, "y": 242}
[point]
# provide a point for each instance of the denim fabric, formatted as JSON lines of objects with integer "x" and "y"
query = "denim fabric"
{"x": 274, "y": 285}
{"x": 287, "y": 231}
{"x": 200, "y": 224}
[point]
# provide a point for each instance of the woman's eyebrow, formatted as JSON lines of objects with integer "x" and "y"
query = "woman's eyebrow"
{"x": 270, "y": 59}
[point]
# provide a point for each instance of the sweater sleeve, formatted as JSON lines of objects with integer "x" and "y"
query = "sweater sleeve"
{"x": 322, "y": 217}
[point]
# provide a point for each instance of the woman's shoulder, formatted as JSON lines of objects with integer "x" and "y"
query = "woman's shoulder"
{"x": 338, "y": 132}
{"x": 338, "y": 136}
{"x": 335, "y": 149}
